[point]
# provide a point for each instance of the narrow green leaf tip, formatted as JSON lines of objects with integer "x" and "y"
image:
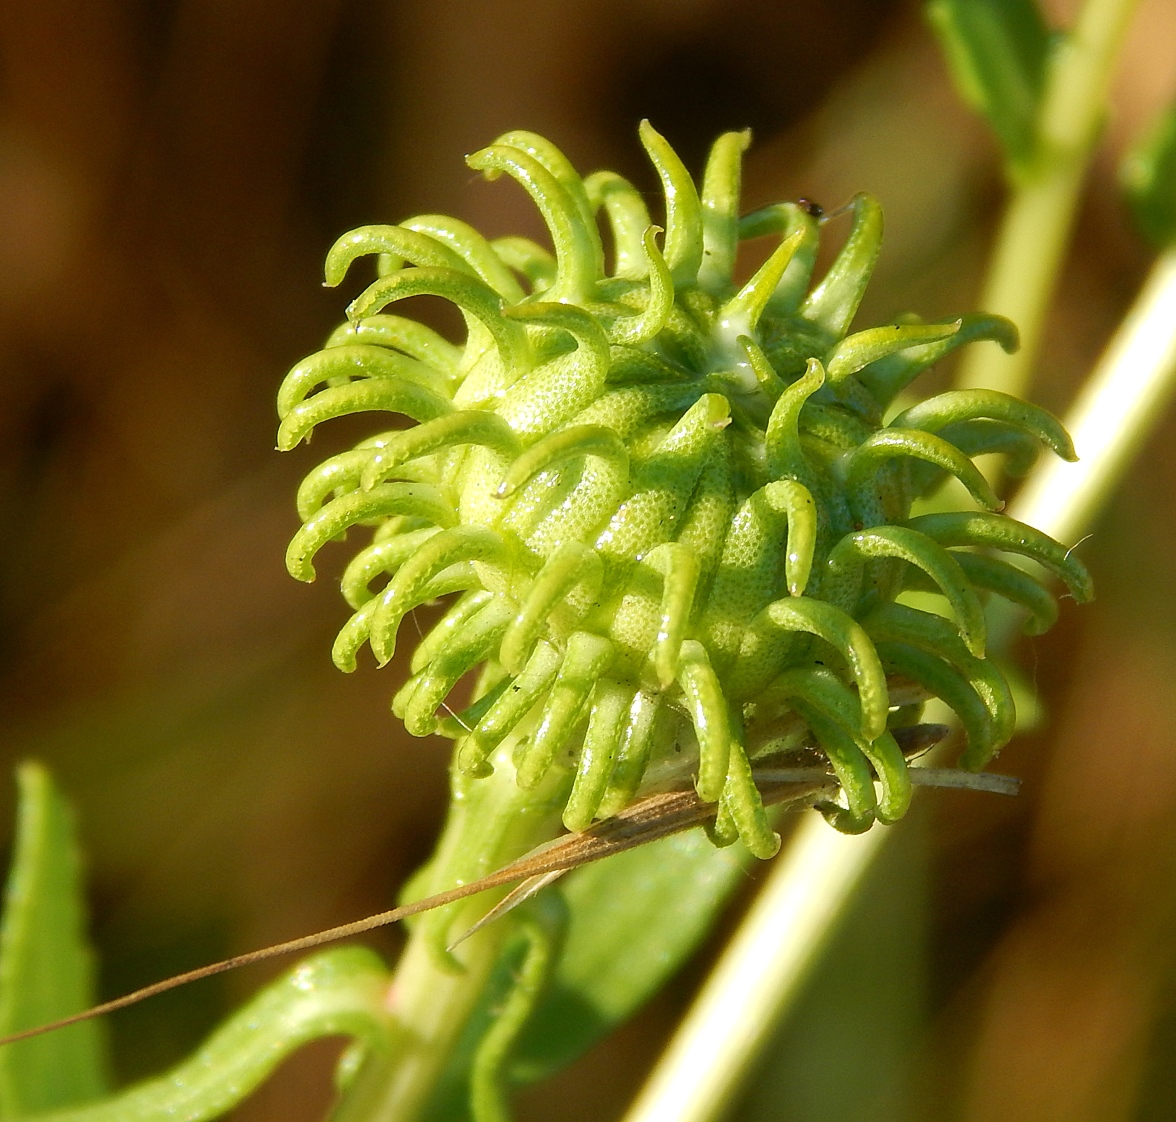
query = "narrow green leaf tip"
{"x": 46, "y": 964}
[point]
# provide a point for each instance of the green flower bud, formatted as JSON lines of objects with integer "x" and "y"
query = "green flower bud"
{"x": 673, "y": 518}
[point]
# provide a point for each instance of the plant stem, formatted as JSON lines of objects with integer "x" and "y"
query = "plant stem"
{"x": 432, "y": 1006}
{"x": 491, "y": 823}
{"x": 768, "y": 960}
{"x": 760, "y": 973}
{"x": 1117, "y": 408}
{"x": 1035, "y": 230}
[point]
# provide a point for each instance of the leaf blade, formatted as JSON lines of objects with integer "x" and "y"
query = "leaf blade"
{"x": 997, "y": 51}
{"x": 634, "y": 919}
{"x": 339, "y": 992}
{"x": 46, "y": 965}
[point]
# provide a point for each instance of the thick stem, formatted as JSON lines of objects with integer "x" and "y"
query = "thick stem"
{"x": 491, "y": 823}
{"x": 432, "y": 1007}
{"x": 1035, "y": 231}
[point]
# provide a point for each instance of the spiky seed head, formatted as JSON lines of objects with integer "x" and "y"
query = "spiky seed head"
{"x": 674, "y": 524}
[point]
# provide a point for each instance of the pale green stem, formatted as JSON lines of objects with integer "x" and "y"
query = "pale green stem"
{"x": 768, "y": 961}
{"x": 759, "y": 975}
{"x": 1117, "y": 408}
{"x": 431, "y": 1008}
{"x": 491, "y": 823}
{"x": 1035, "y": 231}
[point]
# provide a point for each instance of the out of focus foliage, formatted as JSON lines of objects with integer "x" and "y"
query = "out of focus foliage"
{"x": 998, "y": 52}
{"x": 46, "y": 965}
{"x": 1149, "y": 178}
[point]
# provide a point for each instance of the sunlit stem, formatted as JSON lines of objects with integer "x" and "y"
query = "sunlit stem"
{"x": 1035, "y": 230}
{"x": 1130, "y": 388}
{"x": 491, "y": 822}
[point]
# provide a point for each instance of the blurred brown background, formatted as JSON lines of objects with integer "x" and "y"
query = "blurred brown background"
{"x": 171, "y": 174}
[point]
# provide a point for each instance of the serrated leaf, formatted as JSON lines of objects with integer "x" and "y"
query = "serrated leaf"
{"x": 46, "y": 965}
{"x": 634, "y": 919}
{"x": 997, "y": 52}
{"x": 1148, "y": 176}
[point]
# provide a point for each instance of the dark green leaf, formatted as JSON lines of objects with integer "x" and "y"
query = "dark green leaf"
{"x": 46, "y": 965}
{"x": 1149, "y": 181}
{"x": 633, "y": 920}
{"x": 996, "y": 51}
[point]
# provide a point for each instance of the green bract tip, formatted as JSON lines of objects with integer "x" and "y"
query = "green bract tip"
{"x": 671, "y": 518}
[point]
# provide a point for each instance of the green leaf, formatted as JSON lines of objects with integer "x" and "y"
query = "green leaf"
{"x": 473, "y": 1087}
{"x": 340, "y": 992}
{"x": 997, "y": 52}
{"x": 46, "y": 965}
{"x": 634, "y": 919}
{"x": 1148, "y": 176}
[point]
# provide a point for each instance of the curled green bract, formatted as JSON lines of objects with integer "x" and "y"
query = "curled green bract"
{"x": 668, "y": 505}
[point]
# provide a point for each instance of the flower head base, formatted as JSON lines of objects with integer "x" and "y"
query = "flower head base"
{"x": 673, "y": 517}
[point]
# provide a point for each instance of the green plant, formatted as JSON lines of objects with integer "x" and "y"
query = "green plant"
{"x": 677, "y": 516}
{"x": 676, "y": 520}
{"x": 611, "y": 470}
